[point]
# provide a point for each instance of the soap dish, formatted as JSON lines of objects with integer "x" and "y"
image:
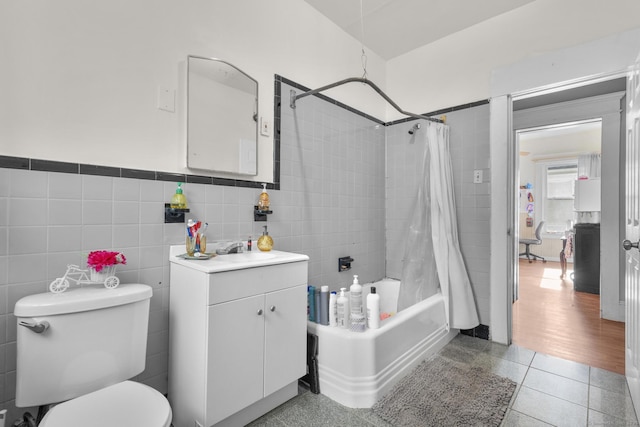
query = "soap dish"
{"x": 200, "y": 257}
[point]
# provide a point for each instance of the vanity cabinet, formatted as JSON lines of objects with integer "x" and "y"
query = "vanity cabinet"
{"x": 237, "y": 341}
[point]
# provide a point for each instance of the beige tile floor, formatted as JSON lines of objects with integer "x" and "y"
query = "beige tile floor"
{"x": 550, "y": 392}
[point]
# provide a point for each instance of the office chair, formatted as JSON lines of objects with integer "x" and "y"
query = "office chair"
{"x": 528, "y": 242}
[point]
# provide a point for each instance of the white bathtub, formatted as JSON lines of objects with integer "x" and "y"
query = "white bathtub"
{"x": 357, "y": 368}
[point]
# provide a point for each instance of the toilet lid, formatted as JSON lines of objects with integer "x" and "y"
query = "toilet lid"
{"x": 126, "y": 404}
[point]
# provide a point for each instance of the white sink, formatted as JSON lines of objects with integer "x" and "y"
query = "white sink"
{"x": 246, "y": 257}
{"x": 239, "y": 261}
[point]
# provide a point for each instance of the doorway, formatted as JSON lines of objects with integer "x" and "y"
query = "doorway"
{"x": 551, "y": 314}
{"x": 546, "y": 165}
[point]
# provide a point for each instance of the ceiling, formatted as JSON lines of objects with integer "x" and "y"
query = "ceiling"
{"x": 394, "y": 27}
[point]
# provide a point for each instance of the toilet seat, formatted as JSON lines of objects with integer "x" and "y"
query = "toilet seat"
{"x": 126, "y": 404}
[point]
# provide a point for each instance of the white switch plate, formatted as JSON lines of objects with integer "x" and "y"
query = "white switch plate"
{"x": 477, "y": 176}
{"x": 166, "y": 99}
{"x": 265, "y": 127}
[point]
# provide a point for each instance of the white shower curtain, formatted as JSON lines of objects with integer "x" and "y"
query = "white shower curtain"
{"x": 434, "y": 222}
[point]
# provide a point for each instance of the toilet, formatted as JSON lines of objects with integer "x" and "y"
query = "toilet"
{"x": 78, "y": 350}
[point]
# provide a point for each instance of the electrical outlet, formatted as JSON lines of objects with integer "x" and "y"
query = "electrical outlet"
{"x": 477, "y": 176}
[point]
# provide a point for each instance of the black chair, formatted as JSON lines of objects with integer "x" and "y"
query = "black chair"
{"x": 528, "y": 242}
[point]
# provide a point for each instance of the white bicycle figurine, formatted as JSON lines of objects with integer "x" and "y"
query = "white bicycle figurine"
{"x": 75, "y": 274}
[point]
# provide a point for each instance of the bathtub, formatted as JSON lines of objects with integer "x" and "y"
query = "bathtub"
{"x": 357, "y": 368}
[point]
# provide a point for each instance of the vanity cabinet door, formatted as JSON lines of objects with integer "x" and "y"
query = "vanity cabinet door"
{"x": 285, "y": 337}
{"x": 235, "y": 355}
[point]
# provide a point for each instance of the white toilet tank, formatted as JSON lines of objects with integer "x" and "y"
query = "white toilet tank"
{"x": 96, "y": 337}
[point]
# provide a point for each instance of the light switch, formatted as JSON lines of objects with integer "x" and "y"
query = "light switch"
{"x": 477, "y": 176}
{"x": 166, "y": 99}
{"x": 265, "y": 127}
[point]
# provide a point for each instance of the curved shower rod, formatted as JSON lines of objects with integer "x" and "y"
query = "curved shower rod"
{"x": 294, "y": 97}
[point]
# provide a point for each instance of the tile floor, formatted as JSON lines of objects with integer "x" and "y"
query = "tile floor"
{"x": 550, "y": 392}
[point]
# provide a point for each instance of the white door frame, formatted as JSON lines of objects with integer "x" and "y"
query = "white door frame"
{"x": 595, "y": 61}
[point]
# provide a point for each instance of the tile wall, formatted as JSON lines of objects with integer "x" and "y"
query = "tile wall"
{"x": 332, "y": 165}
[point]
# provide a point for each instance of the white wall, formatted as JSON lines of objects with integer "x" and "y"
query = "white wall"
{"x": 457, "y": 69}
{"x": 79, "y": 79}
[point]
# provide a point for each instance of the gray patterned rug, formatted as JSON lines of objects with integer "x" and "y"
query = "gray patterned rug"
{"x": 442, "y": 392}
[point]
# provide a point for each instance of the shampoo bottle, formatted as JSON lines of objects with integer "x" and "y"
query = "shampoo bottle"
{"x": 358, "y": 322}
{"x": 311, "y": 302}
{"x": 263, "y": 199}
{"x": 316, "y": 297}
{"x": 373, "y": 309}
{"x": 343, "y": 309}
{"x": 333, "y": 309}
{"x": 324, "y": 305}
{"x": 265, "y": 242}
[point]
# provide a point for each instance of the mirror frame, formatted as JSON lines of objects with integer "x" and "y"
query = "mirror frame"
{"x": 255, "y": 115}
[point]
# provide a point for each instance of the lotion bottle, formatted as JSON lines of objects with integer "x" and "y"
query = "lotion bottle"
{"x": 373, "y": 309}
{"x": 356, "y": 296}
{"x": 343, "y": 309}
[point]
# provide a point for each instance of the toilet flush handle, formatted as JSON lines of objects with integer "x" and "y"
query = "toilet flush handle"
{"x": 37, "y": 327}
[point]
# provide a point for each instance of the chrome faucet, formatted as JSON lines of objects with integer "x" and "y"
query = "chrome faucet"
{"x": 231, "y": 248}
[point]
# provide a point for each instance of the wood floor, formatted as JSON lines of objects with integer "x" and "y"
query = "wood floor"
{"x": 551, "y": 318}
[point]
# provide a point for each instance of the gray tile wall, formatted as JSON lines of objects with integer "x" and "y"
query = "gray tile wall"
{"x": 333, "y": 174}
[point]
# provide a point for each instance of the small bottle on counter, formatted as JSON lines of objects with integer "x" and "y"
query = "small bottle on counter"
{"x": 249, "y": 244}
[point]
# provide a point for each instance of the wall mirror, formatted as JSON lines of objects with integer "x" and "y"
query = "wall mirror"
{"x": 222, "y": 117}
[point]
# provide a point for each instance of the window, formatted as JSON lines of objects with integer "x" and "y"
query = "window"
{"x": 557, "y": 180}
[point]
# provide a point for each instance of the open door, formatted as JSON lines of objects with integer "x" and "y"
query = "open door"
{"x": 632, "y": 228}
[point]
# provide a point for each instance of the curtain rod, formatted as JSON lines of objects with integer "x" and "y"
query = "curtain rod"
{"x": 294, "y": 97}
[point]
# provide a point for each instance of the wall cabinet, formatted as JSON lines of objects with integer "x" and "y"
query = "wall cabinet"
{"x": 237, "y": 341}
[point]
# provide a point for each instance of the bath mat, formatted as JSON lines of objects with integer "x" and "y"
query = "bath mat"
{"x": 442, "y": 392}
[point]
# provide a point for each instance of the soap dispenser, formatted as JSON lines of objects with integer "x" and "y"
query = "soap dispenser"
{"x": 263, "y": 199}
{"x": 265, "y": 242}
{"x": 179, "y": 201}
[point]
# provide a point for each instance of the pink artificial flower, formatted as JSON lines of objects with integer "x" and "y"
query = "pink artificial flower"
{"x": 100, "y": 259}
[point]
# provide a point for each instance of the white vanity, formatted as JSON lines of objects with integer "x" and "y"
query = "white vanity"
{"x": 237, "y": 335}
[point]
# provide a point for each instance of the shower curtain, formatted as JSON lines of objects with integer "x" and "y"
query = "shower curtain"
{"x": 432, "y": 253}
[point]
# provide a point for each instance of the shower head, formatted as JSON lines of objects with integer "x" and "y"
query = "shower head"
{"x": 414, "y": 128}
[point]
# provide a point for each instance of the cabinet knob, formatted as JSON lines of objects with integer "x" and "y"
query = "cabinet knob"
{"x": 272, "y": 308}
{"x": 627, "y": 245}
{"x": 260, "y": 312}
